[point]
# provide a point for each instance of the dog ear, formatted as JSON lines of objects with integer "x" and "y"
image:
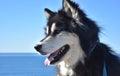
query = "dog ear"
{"x": 71, "y": 8}
{"x": 48, "y": 13}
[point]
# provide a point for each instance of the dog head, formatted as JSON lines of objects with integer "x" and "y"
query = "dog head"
{"x": 68, "y": 35}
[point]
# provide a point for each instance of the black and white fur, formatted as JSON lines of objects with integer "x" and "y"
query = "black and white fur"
{"x": 73, "y": 44}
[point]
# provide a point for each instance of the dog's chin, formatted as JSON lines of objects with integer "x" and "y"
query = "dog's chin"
{"x": 56, "y": 56}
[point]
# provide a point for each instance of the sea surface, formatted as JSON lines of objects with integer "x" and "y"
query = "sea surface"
{"x": 24, "y": 64}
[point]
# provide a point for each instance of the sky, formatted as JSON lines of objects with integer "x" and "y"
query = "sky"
{"x": 22, "y": 22}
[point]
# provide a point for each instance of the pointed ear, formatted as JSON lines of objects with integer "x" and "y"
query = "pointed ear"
{"x": 71, "y": 8}
{"x": 48, "y": 13}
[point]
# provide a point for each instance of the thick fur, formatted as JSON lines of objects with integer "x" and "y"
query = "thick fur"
{"x": 86, "y": 55}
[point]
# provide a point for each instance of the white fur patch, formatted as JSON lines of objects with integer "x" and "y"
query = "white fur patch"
{"x": 47, "y": 30}
{"x": 65, "y": 70}
{"x": 53, "y": 27}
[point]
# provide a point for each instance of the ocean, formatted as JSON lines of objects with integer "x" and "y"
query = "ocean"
{"x": 24, "y": 64}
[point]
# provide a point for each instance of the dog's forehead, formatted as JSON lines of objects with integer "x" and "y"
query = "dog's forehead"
{"x": 59, "y": 19}
{"x": 56, "y": 24}
{"x": 50, "y": 27}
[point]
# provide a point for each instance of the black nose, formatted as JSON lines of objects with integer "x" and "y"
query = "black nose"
{"x": 38, "y": 47}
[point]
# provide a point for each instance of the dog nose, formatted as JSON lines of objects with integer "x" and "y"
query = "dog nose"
{"x": 38, "y": 47}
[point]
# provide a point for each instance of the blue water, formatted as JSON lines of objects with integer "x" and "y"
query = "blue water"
{"x": 24, "y": 64}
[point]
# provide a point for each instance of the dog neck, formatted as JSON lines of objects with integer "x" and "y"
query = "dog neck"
{"x": 65, "y": 69}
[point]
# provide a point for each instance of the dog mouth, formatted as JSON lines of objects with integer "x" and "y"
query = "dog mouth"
{"x": 57, "y": 55}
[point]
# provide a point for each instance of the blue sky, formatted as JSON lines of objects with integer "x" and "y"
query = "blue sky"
{"x": 22, "y": 22}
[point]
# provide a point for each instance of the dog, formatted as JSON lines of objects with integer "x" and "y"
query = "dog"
{"x": 72, "y": 40}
